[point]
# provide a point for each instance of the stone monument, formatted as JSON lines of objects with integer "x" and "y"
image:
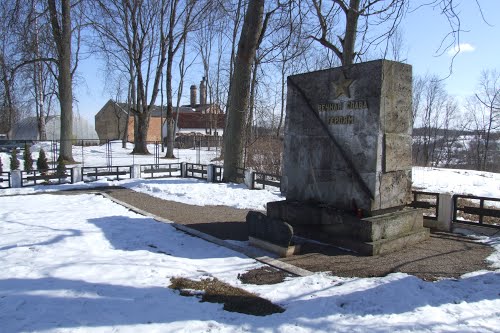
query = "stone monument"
{"x": 347, "y": 157}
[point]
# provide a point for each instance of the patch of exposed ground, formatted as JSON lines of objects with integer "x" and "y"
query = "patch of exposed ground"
{"x": 263, "y": 275}
{"x": 234, "y": 299}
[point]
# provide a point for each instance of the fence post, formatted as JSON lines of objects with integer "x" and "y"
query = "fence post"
{"x": 183, "y": 169}
{"x": 248, "y": 178}
{"x": 136, "y": 171}
{"x": 210, "y": 173}
{"x": 445, "y": 212}
{"x": 15, "y": 179}
{"x": 76, "y": 175}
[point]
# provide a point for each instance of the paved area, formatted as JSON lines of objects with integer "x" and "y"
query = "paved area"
{"x": 443, "y": 255}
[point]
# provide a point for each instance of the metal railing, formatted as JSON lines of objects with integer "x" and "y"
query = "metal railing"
{"x": 467, "y": 206}
{"x": 265, "y": 179}
{"x": 49, "y": 177}
{"x": 161, "y": 170}
{"x": 5, "y": 179}
{"x": 428, "y": 201}
{"x": 198, "y": 171}
{"x": 90, "y": 174}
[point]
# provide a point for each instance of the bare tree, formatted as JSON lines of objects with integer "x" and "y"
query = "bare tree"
{"x": 395, "y": 46}
{"x": 10, "y": 58}
{"x": 489, "y": 96}
{"x": 430, "y": 103}
{"x": 132, "y": 36}
{"x": 240, "y": 89}
{"x": 352, "y": 29}
{"x": 37, "y": 46}
{"x": 62, "y": 31}
{"x": 183, "y": 17}
{"x": 484, "y": 116}
{"x": 288, "y": 59}
{"x": 343, "y": 41}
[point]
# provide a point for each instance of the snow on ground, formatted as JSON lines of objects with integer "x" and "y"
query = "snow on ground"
{"x": 189, "y": 191}
{"x": 427, "y": 179}
{"x": 81, "y": 263}
{"x": 455, "y": 181}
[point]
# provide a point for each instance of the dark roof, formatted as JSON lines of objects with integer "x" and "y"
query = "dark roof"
{"x": 200, "y": 120}
{"x": 157, "y": 110}
{"x": 188, "y": 117}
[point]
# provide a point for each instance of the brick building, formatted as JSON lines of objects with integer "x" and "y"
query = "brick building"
{"x": 113, "y": 121}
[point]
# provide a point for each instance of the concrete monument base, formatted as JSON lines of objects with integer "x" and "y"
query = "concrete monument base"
{"x": 373, "y": 235}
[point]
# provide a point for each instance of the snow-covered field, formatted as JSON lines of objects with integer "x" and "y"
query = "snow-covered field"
{"x": 82, "y": 263}
{"x": 426, "y": 179}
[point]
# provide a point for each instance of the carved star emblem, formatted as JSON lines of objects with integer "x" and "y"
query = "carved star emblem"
{"x": 341, "y": 87}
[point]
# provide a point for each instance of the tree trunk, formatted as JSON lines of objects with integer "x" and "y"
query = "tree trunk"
{"x": 251, "y": 106}
{"x": 141, "y": 133}
{"x": 7, "y": 80}
{"x": 170, "y": 138}
{"x": 170, "y": 110}
{"x": 349, "y": 41}
{"x": 240, "y": 89}
{"x": 283, "y": 99}
{"x": 62, "y": 38}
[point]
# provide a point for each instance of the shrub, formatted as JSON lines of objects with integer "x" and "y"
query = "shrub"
{"x": 28, "y": 160}
{"x": 61, "y": 167}
{"x": 14, "y": 161}
{"x": 41, "y": 162}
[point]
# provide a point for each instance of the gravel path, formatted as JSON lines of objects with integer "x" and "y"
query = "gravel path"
{"x": 443, "y": 255}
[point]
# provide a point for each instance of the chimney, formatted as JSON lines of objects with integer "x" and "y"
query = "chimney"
{"x": 193, "y": 96}
{"x": 203, "y": 92}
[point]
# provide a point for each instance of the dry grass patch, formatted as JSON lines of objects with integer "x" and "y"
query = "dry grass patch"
{"x": 234, "y": 299}
{"x": 263, "y": 275}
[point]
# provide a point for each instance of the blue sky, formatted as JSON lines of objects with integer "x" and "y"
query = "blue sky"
{"x": 423, "y": 31}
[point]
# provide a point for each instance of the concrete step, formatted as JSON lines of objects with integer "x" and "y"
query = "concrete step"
{"x": 381, "y": 246}
{"x": 391, "y": 225}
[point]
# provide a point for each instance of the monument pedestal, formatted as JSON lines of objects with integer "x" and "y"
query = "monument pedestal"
{"x": 367, "y": 236}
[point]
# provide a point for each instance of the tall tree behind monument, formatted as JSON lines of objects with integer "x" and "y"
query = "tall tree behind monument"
{"x": 240, "y": 89}
{"x": 61, "y": 31}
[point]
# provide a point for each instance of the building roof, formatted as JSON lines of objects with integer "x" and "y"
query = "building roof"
{"x": 157, "y": 110}
{"x": 200, "y": 120}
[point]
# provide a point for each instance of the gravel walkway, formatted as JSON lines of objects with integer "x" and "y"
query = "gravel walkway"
{"x": 443, "y": 255}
